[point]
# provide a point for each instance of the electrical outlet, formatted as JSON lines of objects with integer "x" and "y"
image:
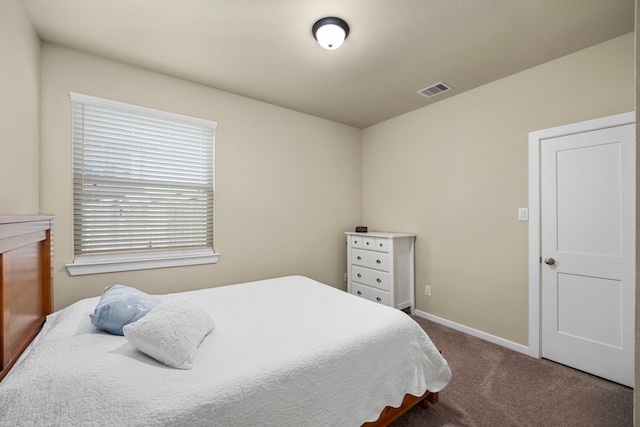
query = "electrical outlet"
{"x": 427, "y": 290}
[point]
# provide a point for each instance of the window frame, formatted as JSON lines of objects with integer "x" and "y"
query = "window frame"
{"x": 135, "y": 260}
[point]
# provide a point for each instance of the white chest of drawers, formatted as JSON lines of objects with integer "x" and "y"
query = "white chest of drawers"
{"x": 380, "y": 268}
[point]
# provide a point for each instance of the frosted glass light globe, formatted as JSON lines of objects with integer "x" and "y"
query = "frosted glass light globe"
{"x": 330, "y": 36}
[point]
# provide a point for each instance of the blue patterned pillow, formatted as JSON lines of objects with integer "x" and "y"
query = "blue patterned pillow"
{"x": 119, "y": 306}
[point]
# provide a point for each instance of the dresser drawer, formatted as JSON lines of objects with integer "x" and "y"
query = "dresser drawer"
{"x": 375, "y": 278}
{"x": 375, "y": 295}
{"x": 369, "y": 243}
{"x": 370, "y": 259}
{"x": 382, "y": 245}
{"x": 356, "y": 241}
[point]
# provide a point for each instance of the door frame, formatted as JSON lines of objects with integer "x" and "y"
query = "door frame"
{"x": 536, "y": 139}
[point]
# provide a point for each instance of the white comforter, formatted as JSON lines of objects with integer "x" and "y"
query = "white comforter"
{"x": 285, "y": 352}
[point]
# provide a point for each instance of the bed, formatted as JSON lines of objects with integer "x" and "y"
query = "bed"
{"x": 286, "y": 351}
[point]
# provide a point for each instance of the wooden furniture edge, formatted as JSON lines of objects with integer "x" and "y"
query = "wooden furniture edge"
{"x": 390, "y": 414}
{"x": 26, "y": 284}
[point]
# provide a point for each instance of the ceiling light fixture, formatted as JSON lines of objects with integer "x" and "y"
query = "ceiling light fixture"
{"x": 330, "y": 32}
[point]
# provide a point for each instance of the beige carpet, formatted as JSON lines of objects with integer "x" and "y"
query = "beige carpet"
{"x": 494, "y": 386}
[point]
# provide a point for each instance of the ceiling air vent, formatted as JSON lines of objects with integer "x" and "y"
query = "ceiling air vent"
{"x": 435, "y": 89}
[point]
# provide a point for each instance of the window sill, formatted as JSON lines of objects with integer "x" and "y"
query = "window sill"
{"x": 113, "y": 264}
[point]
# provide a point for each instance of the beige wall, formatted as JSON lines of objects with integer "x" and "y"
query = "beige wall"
{"x": 287, "y": 184}
{"x": 455, "y": 173}
{"x": 19, "y": 110}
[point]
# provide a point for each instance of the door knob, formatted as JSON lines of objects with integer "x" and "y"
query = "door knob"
{"x": 549, "y": 261}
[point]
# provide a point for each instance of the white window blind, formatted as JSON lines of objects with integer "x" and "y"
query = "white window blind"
{"x": 143, "y": 180}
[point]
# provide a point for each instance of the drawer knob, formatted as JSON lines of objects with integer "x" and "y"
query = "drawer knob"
{"x": 359, "y": 293}
{"x": 359, "y": 257}
{"x": 359, "y": 275}
{"x": 378, "y": 280}
{"x": 378, "y": 261}
{"x": 378, "y": 299}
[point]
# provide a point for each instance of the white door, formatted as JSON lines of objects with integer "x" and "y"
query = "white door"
{"x": 587, "y": 220}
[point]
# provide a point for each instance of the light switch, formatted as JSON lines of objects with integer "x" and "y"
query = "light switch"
{"x": 523, "y": 214}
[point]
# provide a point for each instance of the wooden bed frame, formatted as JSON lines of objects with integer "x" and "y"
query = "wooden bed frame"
{"x": 389, "y": 414}
{"x": 26, "y": 296}
{"x": 25, "y": 283}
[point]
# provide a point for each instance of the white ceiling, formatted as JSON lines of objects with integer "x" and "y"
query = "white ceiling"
{"x": 264, "y": 49}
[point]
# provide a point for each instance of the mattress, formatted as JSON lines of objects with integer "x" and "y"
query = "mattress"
{"x": 288, "y": 351}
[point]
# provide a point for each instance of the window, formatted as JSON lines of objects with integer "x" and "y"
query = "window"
{"x": 143, "y": 187}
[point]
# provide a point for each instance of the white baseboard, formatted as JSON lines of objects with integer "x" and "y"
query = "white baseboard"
{"x": 475, "y": 332}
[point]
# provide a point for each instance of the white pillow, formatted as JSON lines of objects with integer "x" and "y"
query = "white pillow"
{"x": 171, "y": 332}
